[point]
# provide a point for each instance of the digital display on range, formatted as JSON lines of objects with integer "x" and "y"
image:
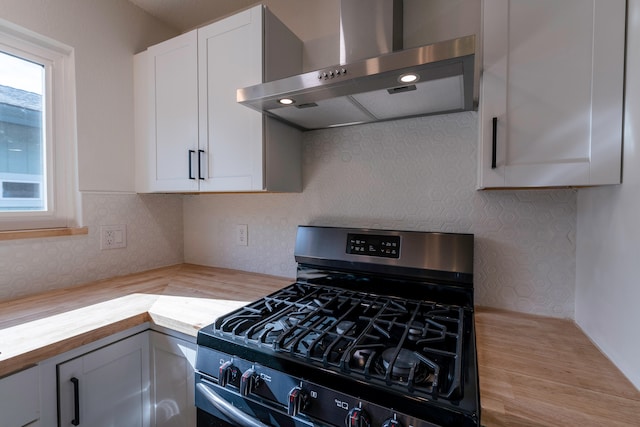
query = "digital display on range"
{"x": 373, "y": 245}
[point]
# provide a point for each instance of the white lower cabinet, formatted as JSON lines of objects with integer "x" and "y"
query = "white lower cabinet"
{"x": 106, "y": 387}
{"x": 172, "y": 381}
{"x": 136, "y": 379}
{"x": 19, "y": 398}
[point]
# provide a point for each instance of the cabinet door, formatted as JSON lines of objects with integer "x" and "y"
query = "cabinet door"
{"x": 107, "y": 387}
{"x": 20, "y": 398}
{"x": 172, "y": 379}
{"x": 231, "y": 57}
{"x": 173, "y": 117}
{"x": 553, "y": 81}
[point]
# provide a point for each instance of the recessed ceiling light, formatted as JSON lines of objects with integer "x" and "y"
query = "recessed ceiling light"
{"x": 286, "y": 101}
{"x": 408, "y": 78}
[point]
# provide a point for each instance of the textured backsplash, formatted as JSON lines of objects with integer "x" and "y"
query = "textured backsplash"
{"x": 154, "y": 239}
{"x": 415, "y": 174}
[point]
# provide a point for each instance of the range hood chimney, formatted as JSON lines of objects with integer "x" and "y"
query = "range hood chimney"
{"x": 369, "y": 28}
{"x": 376, "y": 80}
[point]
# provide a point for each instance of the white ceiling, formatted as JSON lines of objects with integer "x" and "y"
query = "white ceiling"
{"x": 315, "y": 22}
{"x": 187, "y": 14}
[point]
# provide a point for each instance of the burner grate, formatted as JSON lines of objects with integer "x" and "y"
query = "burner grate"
{"x": 395, "y": 342}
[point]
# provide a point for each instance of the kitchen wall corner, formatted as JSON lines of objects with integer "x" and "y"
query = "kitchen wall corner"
{"x": 607, "y": 290}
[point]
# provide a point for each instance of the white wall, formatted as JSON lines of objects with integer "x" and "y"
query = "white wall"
{"x": 608, "y": 243}
{"x": 105, "y": 35}
{"x": 415, "y": 174}
{"x": 154, "y": 239}
{"x": 316, "y": 23}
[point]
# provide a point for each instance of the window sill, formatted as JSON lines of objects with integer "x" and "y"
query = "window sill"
{"x": 44, "y": 232}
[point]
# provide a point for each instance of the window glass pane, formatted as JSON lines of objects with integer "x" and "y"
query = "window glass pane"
{"x": 22, "y": 190}
{"x": 22, "y": 172}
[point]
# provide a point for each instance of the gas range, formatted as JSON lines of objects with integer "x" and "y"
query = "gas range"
{"x": 377, "y": 330}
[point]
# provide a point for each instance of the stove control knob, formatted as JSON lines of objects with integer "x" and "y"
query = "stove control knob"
{"x": 357, "y": 418}
{"x": 298, "y": 401}
{"x": 391, "y": 422}
{"x": 224, "y": 373}
{"x": 248, "y": 382}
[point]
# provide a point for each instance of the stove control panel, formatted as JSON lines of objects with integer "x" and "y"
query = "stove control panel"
{"x": 373, "y": 245}
{"x": 273, "y": 393}
{"x": 338, "y": 409}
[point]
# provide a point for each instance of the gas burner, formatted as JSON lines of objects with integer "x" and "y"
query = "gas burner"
{"x": 273, "y": 330}
{"x": 328, "y": 348}
{"x": 406, "y": 366}
{"x": 403, "y": 364}
{"x": 345, "y": 327}
{"x": 361, "y": 356}
{"x": 416, "y": 331}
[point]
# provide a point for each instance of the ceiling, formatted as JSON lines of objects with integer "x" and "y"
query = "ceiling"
{"x": 187, "y": 14}
{"x": 315, "y": 22}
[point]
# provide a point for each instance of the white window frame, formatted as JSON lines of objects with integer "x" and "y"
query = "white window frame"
{"x": 59, "y": 127}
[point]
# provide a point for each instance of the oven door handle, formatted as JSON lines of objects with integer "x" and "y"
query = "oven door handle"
{"x": 235, "y": 414}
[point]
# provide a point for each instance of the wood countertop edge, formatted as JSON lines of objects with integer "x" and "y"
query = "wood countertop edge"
{"x": 21, "y": 315}
{"x": 25, "y": 360}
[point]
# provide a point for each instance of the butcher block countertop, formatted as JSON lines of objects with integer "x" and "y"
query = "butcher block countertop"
{"x": 534, "y": 371}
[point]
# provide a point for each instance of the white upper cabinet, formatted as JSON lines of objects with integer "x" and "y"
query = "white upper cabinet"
{"x": 191, "y": 134}
{"x": 230, "y": 53}
{"x": 167, "y": 116}
{"x": 551, "y": 101}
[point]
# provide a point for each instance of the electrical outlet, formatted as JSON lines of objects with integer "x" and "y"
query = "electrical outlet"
{"x": 242, "y": 235}
{"x": 113, "y": 236}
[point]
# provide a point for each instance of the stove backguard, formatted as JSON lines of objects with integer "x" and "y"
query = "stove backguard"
{"x": 418, "y": 255}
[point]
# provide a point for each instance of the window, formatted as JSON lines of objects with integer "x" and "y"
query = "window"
{"x": 37, "y": 131}
{"x": 22, "y": 140}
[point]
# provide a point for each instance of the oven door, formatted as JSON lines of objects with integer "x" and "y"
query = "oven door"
{"x": 222, "y": 408}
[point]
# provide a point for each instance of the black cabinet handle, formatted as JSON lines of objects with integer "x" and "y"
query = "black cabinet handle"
{"x": 76, "y": 402}
{"x": 200, "y": 164}
{"x": 190, "y": 170}
{"x": 494, "y": 143}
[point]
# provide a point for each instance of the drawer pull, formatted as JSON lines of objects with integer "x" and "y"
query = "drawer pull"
{"x": 200, "y": 164}
{"x": 190, "y": 169}
{"x": 494, "y": 143}
{"x": 76, "y": 402}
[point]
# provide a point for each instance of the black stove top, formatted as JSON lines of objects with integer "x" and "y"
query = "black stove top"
{"x": 411, "y": 345}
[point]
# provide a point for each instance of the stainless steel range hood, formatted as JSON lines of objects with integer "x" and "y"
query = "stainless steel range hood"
{"x": 370, "y": 90}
